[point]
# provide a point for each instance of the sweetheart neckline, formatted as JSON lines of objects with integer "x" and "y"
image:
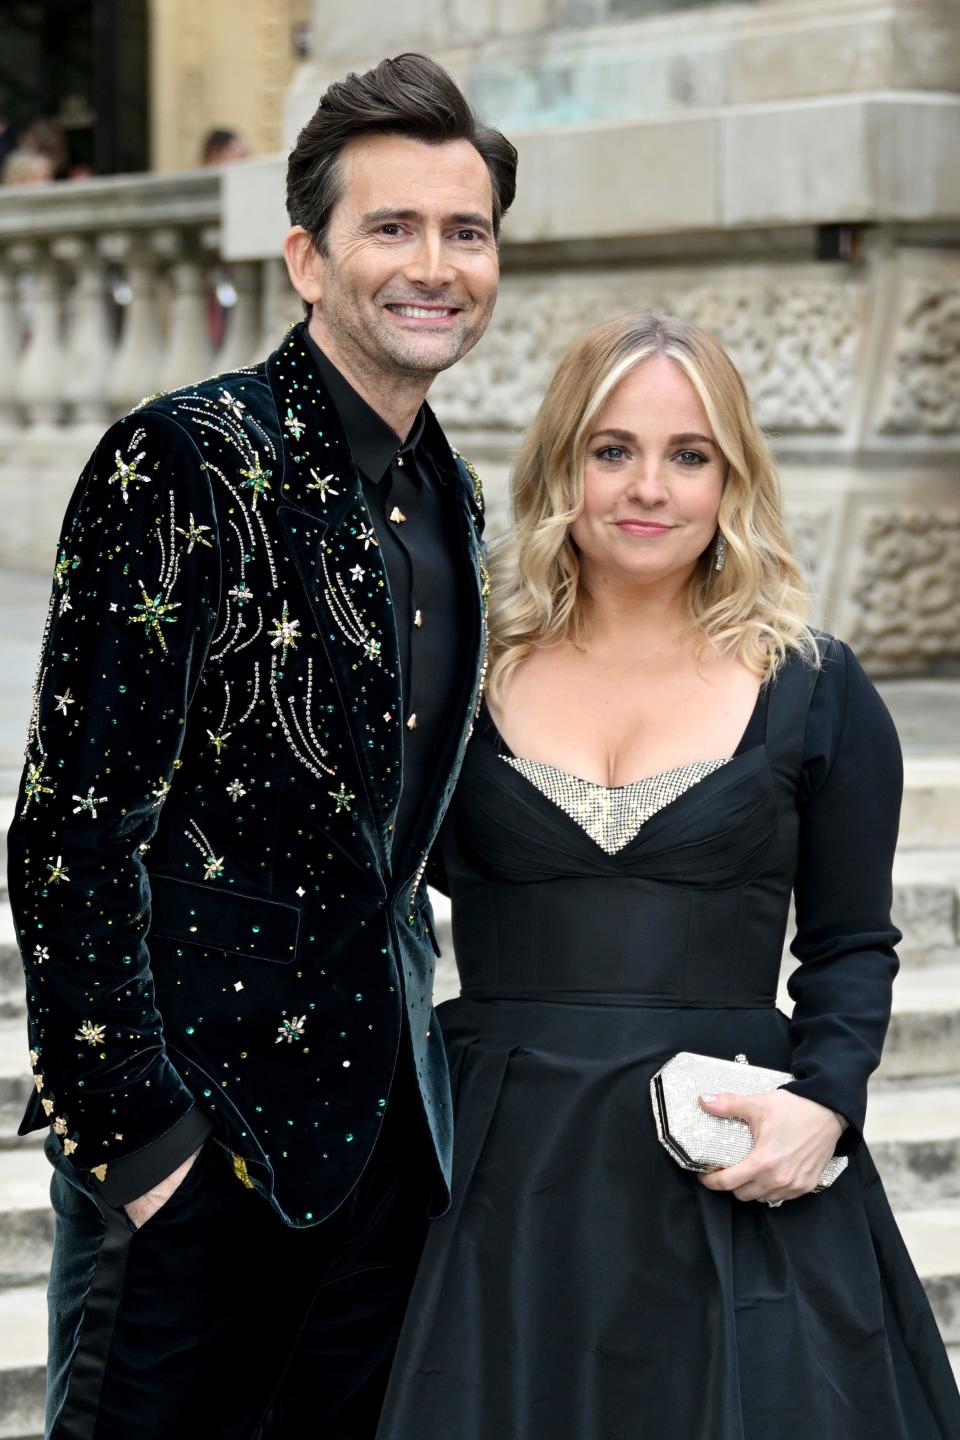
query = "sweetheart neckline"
{"x": 611, "y": 789}
{"x": 502, "y": 745}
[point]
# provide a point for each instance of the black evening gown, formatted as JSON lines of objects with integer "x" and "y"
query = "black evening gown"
{"x": 582, "y": 1286}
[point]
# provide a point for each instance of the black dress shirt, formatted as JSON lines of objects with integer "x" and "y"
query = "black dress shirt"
{"x": 409, "y": 488}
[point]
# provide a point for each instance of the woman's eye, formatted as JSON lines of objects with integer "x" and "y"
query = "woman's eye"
{"x": 691, "y": 457}
{"x": 611, "y": 452}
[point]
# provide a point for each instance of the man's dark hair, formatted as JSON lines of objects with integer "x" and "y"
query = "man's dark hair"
{"x": 410, "y": 95}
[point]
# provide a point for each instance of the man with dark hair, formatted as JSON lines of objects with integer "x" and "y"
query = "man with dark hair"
{"x": 261, "y": 667}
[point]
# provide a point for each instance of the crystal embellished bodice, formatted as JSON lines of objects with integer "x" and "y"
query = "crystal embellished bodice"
{"x": 612, "y": 815}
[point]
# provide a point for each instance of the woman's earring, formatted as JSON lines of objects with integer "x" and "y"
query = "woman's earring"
{"x": 719, "y": 551}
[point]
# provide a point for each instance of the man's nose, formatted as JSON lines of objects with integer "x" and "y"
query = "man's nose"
{"x": 431, "y": 264}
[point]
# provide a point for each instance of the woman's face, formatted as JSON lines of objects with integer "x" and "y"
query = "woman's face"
{"x": 653, "y": 478}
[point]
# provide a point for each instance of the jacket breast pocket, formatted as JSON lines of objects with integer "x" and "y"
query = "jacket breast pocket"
{"x": 223, "y": 920}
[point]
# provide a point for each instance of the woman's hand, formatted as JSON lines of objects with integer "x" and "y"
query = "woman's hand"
{"x": 793, "y": 1140}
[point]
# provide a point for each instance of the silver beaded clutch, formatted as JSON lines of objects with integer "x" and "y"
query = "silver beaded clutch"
{"x": 699, "y": 1141}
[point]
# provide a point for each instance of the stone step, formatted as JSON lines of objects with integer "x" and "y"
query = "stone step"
{"x": 913, "y": 1130}
{"x": 26, "y": 1220}
{"x": 930, "y": 818}
{"x": 16, "y": 1081}
{"x": 23, "y": 1345}
{"x": 933, "y": 1238}
{"x": 924, "y": 1034}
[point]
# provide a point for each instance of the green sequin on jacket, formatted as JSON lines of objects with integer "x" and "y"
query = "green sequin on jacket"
{"x": 207, "y": 906}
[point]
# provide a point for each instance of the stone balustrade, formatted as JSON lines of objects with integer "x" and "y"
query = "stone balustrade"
{"x": 111, "y": 290}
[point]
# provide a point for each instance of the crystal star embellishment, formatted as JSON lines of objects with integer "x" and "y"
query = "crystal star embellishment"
{"x": 285, "y": 632}
{"x": 88, "y": 803}
{"x": 64, "y": 700}
{"x": 34, "y": 787}
{"x": 294, "y": 424}
{"x": 342, "y": 797}
{"x": 213, "y": 867}
{"x": 241, "y": 593}
{"x": 193, "y": 534}
{"x": 218, "y": 741}
{"x": 257, "y": 479}
{"x": 323, "y": 484}
{"x": 58, "y": 871}
{"x": 66, "y": 562}
{"x": 162, "y": 789}
{"x": 40, "y": 953}
{"x": 357, "y": 572}
{"x": 368, "y": 536}
{"x": 290, "y": 1029}
{"x": 93, "y": 1034}
{"x": 371, "y": 649}
{"x": 154, "y": 614}
{"x": 236, "y": 790}
{"x": 236, "y": 407}
{"x": 65, "y": 603}
{"x": 126, "y": 471}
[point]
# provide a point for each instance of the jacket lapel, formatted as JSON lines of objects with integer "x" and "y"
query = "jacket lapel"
{"x": 328, "y": 527}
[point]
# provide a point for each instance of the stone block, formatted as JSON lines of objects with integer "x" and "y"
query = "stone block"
{"x": 254, "y": 217}
{"x": 616, "y": 180}
{"x": 927, "y": 915}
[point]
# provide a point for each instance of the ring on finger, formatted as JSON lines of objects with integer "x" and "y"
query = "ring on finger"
{"x": 773, "y": 1204}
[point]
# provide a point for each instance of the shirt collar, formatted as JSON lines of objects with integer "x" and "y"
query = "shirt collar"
{"x": 373, "y": 444}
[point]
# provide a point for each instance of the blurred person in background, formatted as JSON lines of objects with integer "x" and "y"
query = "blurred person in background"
{"x": 45, "y": 137}
{"x": 223, "y": 147}
{"x": 27, "y": 167}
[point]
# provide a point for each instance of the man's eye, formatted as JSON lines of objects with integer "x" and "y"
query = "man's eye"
{"x": 390, "y": 229}
{"x": 469, "y": 235}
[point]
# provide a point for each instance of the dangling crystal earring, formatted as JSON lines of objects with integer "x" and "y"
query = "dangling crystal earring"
{"x": 719, "y": 551}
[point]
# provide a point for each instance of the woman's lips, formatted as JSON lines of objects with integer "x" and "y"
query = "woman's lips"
{"x": 643, "y": 527}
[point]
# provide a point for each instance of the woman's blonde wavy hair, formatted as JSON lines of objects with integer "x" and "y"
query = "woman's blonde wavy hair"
{"x": 756, "y": 606}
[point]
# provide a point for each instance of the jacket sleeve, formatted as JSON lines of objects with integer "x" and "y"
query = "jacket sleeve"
{"x": 849, "y": 814}
{"x": 133, "y": 608}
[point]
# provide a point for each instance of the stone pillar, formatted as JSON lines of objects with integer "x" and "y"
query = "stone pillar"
{"x": 135, "y": 370}
{"x": 88, "y": 350}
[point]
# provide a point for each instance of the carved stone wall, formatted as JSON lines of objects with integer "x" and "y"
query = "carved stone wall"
{"x": 793, "y": 336}
{"x": 854, "y": 372}
{"x": 906, "y": 590}
{"x": 923, "y": 393}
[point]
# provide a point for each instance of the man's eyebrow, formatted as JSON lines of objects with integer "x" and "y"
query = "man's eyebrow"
{"x": 472, "y": 218}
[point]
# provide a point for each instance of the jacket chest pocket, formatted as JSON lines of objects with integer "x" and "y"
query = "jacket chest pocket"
{"x": 223, "y": 920}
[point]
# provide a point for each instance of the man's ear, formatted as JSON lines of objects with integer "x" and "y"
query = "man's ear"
{"x": 304, "y": 264}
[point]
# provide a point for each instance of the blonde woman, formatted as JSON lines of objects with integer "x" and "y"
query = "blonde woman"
{"x": 668, "y": 752}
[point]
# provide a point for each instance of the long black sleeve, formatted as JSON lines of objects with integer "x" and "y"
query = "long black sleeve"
{"x": 135, "y": 598}
{"x": 849, "y": 803}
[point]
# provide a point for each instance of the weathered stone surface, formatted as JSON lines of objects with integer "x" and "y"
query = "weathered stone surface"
{"x": 923, "y": 388}
{"x": 927, "y": 915}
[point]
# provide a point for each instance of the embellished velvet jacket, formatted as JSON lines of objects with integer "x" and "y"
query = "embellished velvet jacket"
{"x": 211, "y": 919}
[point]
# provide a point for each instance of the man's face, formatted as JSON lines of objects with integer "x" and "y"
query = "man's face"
{"x": 408, "y": 279}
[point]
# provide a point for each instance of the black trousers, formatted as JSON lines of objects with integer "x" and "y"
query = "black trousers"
{"x": 215, "y": 1319}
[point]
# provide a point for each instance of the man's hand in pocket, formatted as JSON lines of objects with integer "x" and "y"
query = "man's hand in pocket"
{"x": 141, "y": 1209}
